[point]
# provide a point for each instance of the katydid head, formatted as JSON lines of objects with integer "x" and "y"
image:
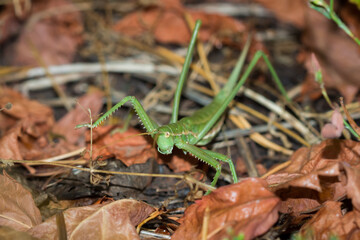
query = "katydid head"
{"x": 165, "y": 140}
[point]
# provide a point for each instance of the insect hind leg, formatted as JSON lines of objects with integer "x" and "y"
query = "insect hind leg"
{"x": 226, "y": 159}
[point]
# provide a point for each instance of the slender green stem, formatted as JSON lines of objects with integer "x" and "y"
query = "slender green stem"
{"x": 328, "y": 11}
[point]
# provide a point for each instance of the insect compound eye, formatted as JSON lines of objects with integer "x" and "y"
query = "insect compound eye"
{"x": 167, "y": 134}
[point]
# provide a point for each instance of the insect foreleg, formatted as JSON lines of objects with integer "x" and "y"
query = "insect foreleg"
{"x": 149, "y": 124}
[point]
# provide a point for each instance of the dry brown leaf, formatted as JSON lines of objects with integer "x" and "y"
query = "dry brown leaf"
{"x": 116, "y": 220}
{"x": 17, "y": 207}
{"x": 24, "y": 132}
{"x": 128, "y": 146}
{"x": 353, "y": 185}
{"x": 66, "y": 125}
{"x": 330, "y": 221}
{"x": 166, "y": 22}
{"x": 9, "y": 145}
{"x": 35, "y": 118}
{"x": 289, "y": 11}
{"x": 25, "y": 126}
{"x": 55, "y": 36}
{"x": 246, "y": 207}
{"x": 314, "y": 175}
{"x": 7, "y": 233}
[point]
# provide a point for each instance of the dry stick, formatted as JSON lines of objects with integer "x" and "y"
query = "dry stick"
{"x": 133, "y": 66}
{"x": 152, "y": 216}
{"x": 276, "y": 169}
{"x": 19, "y": 11}
{"x": 61, "y": 226}
{"x": 63, "y": 156}
{"x": 205, "y": 224}
{"x": 185, "y": 177}
{"x": 247, "y": 156}
{"x": 293, "y": 106}
{"x": 242, "y": 123}
{"x": 355, "y": 127}
{"x": 309, "y": 136}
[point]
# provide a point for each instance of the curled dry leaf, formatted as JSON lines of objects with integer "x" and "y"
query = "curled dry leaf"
{"x": 128, "y": 146}
{"x": 17, "y": 207}
{"x": 116, "y": 220}
{"x": 335, "y": 128}
{"x": 24, "y": 126}
{"x": 24, "y": 129}
{"x": 246, "y": 207}
{"x": 329, "y": 221}
{"x": 315, "y": 175}
{"x": 35, "y": 118}
{"x": 166, "y": 22}
{"x": 353, "y": 185}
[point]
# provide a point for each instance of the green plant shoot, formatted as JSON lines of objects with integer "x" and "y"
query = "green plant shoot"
{"x": 328, "y": 11}
{"x": 200, "y": 128}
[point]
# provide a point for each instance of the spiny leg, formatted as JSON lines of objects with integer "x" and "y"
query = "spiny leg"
{"x": 230, "y": 95}
{"x": 260, "y": 54}
{"x": 226, "y": 159}
{"x": 149, "y": 124}
{"x": 206, "y": 156}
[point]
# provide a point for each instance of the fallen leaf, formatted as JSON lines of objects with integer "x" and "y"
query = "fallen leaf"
{"x": 7, "y": 233}
{"x": 288, "y": 11}
{"x": 9, "y": 145}
{"x": 314, "y": 175}
{"x": 246, "y": 207}
{"x": 25, "y": 126}
{"x": 128, "y": 146}
{"x": 60, "y": 33}
{"x": 166, "y": 22}
{"x": 352, "y": 186}
{"x": 17, "y": 207}
{"x": 329, "y": 221}
{"x": 116, "y": 220}
{"x": 35, "y": 119}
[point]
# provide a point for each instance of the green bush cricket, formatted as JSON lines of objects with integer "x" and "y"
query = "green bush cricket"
{"x": 200, "y": 128}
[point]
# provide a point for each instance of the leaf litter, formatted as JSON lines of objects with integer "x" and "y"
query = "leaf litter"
{"x": 320, "y": 185}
